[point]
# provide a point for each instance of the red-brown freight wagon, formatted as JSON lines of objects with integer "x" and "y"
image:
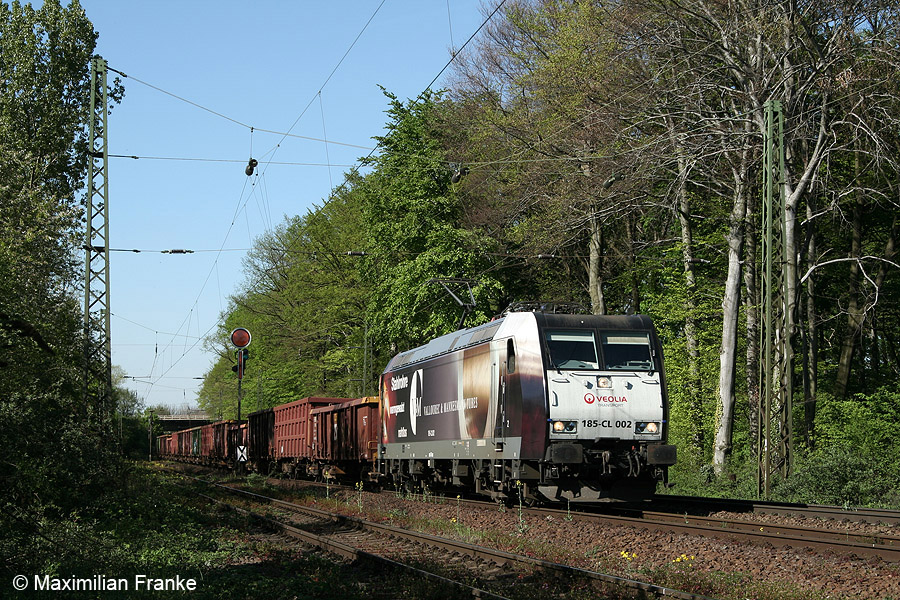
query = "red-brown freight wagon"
{"x": 236, "y": 434}
{"x": 261, "y": 439}
{"x": 182, "y": 447}
{"x": 345, "y": 438}
{"x": 218, "y": 441}
{"x": 162, "y": 445}
{"x": 293, "y": 431}
{"x": 206, "y": 441}
{"x": 188, "y": 443}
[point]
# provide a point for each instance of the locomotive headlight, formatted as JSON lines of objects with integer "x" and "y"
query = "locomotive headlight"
{"x": 564, "y": 426}
{"x": 604, "y": 382}
{"x": 646, "y": 427}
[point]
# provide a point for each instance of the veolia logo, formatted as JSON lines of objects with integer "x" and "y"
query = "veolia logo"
{"x": 591, "y": 398}
{"x": 415, "y": 399}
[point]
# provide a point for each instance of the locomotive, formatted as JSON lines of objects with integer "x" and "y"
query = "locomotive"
{"x": 550, "y": 406}
{"x": 534, "y": 404}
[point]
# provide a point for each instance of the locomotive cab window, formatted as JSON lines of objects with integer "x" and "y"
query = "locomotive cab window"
{"x": 626, "y": 351}
{"x": 572, "y": 350}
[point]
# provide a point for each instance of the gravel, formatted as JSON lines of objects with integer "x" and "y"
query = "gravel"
{"x": 641, "y": 554}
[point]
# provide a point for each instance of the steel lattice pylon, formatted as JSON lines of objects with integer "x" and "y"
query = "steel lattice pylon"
{"x": 96, "y": 247}
{"x": 774, "y": 447}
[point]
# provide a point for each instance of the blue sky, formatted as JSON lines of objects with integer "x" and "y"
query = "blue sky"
{"x": 257, "y": 64}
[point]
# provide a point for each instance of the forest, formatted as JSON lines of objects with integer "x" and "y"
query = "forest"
{"x": 607, "y": 154}
{"x": 612, "y": 154}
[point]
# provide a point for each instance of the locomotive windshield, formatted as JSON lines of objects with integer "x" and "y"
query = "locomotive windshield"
{"x": 626, "y": 351}
{"x": 619, "y": 351}
{"x": 572, "y": 350}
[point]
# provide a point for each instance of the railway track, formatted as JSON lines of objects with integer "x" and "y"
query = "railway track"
{"x": 886, "y": 547}
{"x": 817, "y": 511}
{"x": 861, "y": 544}
{"x": 498, "y": 574}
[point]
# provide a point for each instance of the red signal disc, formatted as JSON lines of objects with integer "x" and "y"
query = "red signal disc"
{"x": 240, "y": 337}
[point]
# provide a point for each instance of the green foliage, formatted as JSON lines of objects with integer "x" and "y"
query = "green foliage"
{"x": 60, "y": 455}
{"x": 864, "y": 423}
{"x": 855, "y": 461}
{"x": 669, "y": 300}
{"x": 44, "y": 104}
{"x": 415, "y": 233}
{"x": 838, "y": 475}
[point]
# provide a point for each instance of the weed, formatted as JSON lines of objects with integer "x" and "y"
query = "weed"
{"x": 522, "y": 527}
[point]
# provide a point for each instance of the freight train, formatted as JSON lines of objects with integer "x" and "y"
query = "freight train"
{"x": 535, "y": 404}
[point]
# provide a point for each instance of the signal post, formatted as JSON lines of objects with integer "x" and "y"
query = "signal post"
{"x": 240, "y": 337}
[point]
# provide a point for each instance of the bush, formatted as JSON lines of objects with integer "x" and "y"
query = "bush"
{"x": 839, "y": 475}
{"x": 855, "y": 460}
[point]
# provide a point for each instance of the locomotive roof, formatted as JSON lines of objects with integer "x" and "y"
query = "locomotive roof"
{"x": 465, "y": 338}
{"x": 457, "y": 340}
{"x": 626, "y": 322}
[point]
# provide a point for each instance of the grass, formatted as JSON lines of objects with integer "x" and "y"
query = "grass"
{"x": 162, "y": 530}
{"x": 236, "y": 565}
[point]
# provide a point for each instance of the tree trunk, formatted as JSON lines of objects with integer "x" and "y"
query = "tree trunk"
{"x": 855, "y": 313}
{"x": 879, "y": 336}
{"x": 595, "y": 244}
{"x": 810, "y": 337}
{"x": 751, "y": 307}
{"x": 730, "y": 313}
{"x": 683, "y": 210}
{"x": 635, "y": 308}
{"x": 595, "y": 266}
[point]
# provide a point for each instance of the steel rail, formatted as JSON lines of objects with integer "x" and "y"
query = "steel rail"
{"x": 498, "y": 556}
{"x": 886, "y": 547}
{"x": 347, "y": 551}
{"x": 821, "y": 511}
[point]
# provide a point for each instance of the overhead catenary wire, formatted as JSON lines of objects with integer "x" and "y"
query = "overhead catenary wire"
{"x": 241, "y": 204}
{"x": 327, "y": 79}
{"x": 283, "y": 134}
{"x": 232, "y": 160}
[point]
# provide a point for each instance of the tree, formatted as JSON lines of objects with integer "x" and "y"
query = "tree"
{"x": 548, "y": 81}
{"x": 303, "y": 299}
{"x": 415, "y": 235}
{"x": 44, "y": 94}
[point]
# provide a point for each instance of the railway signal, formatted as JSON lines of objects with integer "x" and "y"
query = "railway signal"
{"x": 243, "y": 355}
{"x": 240, "y": 337}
